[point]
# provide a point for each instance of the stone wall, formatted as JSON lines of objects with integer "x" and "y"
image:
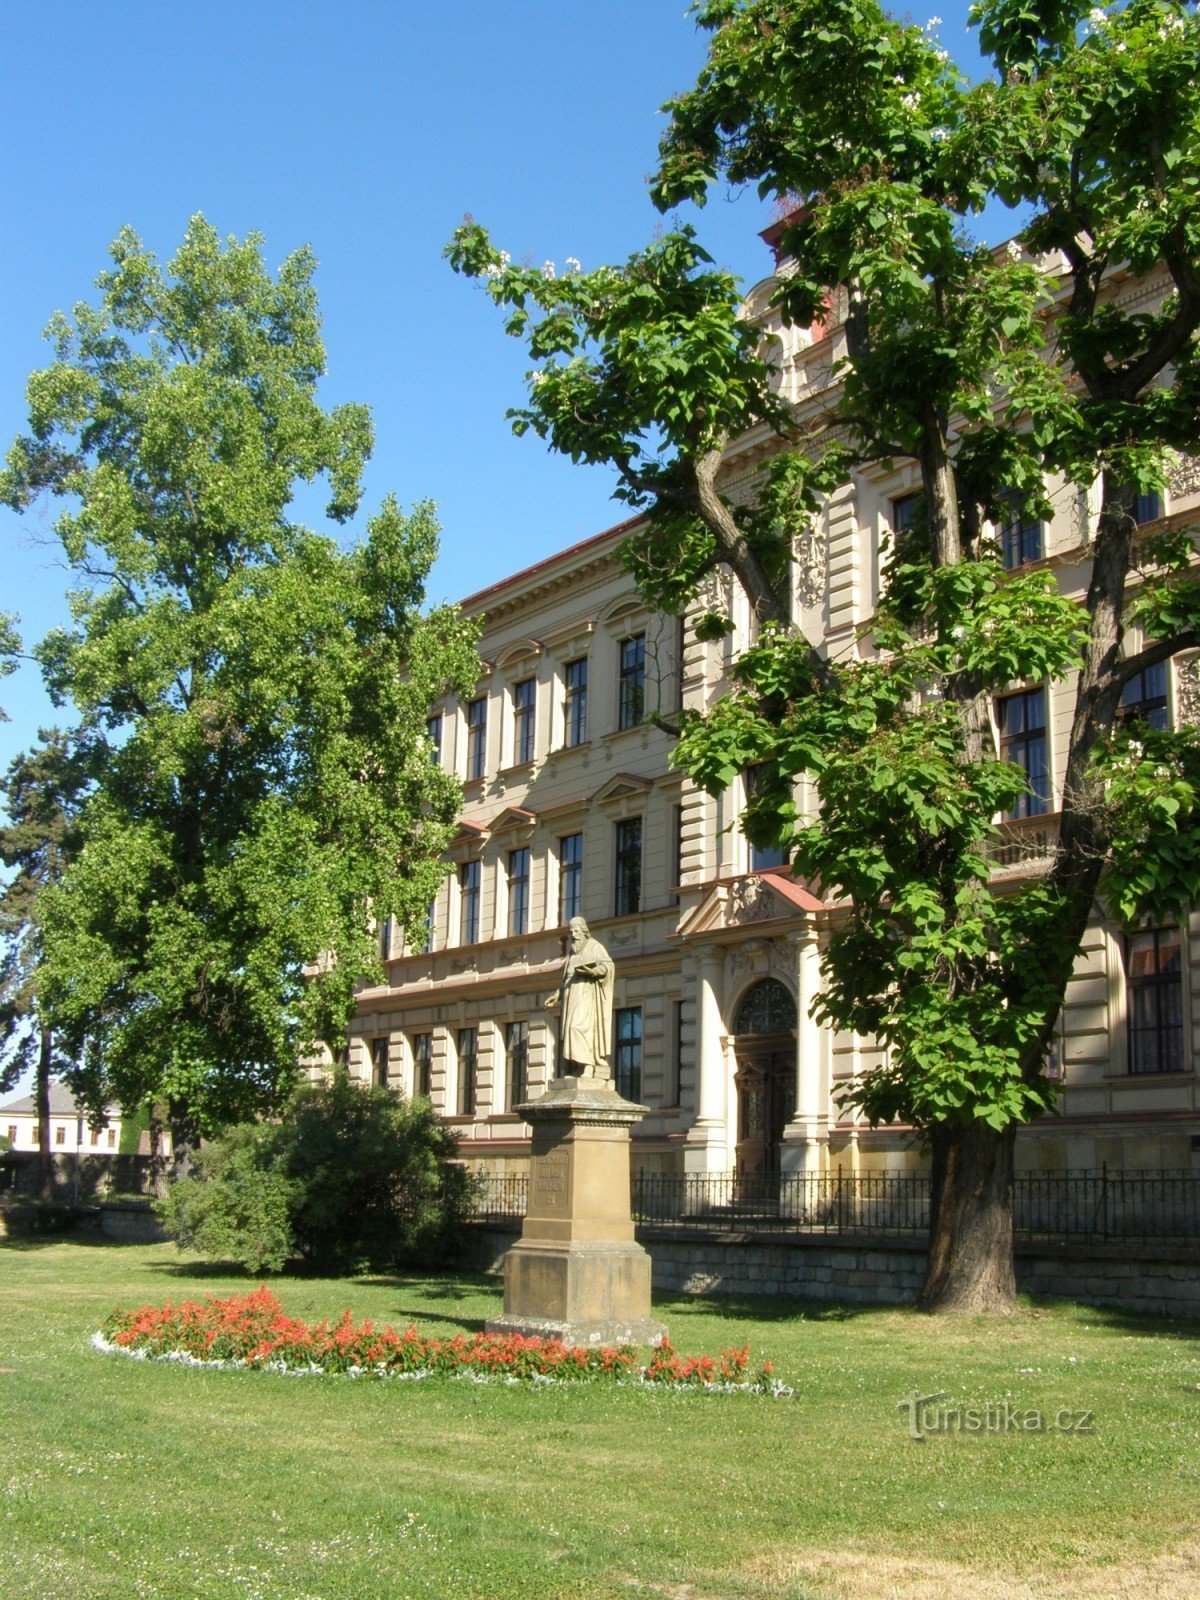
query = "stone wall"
{"x": 1157, "y": 1279}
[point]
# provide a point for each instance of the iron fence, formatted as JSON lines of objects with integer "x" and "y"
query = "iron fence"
{"x": 1082, "y": 1206}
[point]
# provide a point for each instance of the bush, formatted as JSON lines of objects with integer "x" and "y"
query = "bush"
{"x": 348, "y": 1178}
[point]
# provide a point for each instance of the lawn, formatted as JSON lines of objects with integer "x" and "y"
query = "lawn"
{"x": 136, "y": 1479}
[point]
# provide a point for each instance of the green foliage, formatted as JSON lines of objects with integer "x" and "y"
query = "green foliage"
{"x": 237, "y": 1207}
{"x": 349, "y": 1177}
{"x": 254, "y": 693}
{"x": 10, "y": 647}
{"x": 995, "y": 370}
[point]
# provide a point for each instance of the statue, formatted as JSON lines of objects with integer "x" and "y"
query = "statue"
{"x": 584, "y": 998}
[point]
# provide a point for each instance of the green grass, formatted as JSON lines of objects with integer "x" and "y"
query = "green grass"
{"x": 137, "y": 1479}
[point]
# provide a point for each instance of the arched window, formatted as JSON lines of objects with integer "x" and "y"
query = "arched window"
{"x": 766, "y": 1008}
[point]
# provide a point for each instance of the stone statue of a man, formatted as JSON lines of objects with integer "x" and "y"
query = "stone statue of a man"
{"x": 585, "y": 999}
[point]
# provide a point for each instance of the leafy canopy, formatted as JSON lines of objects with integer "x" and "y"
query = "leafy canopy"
{"x": 255, "y": 692}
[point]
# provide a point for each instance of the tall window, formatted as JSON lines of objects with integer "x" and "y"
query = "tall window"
{"x": 628, "y": 895}
{"x": 1155, "y": 987}
{"x": 1023, "y": 740}
{"x": 379, "y": 1062}
{"x": 60, "y": 1136}
{"x": 762, "y": 857}
{"x": 476, "y": 737}
{"x": 468, "y": 883}
{"x": 908, "y": 513}
{"x": 516, "y": 1052}
{"x": 675, "y": 1084}
{"x": 676, "y": 851}
{"x": 1144, "y": 697}
{"x": 575, "y": 704}
{"x": 524, "y": 700}
{"x": 468, "y": 1059}
{"x": 1147, "y": 506}
{"x": 1020, "y": 536}
{"x": 422, "y": 1059}
{"x": 631, "y": 698}
{"x": 433, "y": 730}
{"x": 518, "y": 890}
{"x": 570, "y": 878}
{"x": 627, "y": 1074}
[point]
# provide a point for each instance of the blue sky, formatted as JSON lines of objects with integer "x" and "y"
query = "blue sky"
{"x": 366, "y": 130}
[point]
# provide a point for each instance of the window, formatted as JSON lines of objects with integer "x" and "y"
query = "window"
{"x": 516, "y": 1051}
{"x": 468, "y": 884}
{"x": 1147, "y": 506}
{"x": 1154, "y": 968}
{"x": 676, "y": 852}
{"x": 60, "y": 1135}
{"x": 379, "y": 1062}
{"x": 627, "y": 1074}
{"x": 570, "y": 878}
{"x": 518, "y": 890}
{"x": 468, "y": 1046}
{"x": 1020, "y": 536}
{"x": 631, "y": 699}
{"x": 433, "y": 731}
{"x": 524, "y": 701}
{"x": 680, "y": 657}
{"x": 575, "y": 705}
{"x": 628, "y": 895}
{"x": 762, "y": 857}
{"x": 1144, "y": 697}
{"x": 385, "y": 938}
{"x": 908, "y": 513}
{"x": 476, "y": 737}
{"x": 675, "y": 1085}
{"x": 12, "y": 1133}
{"x": 422, "y": 1058}
{"x": 1023, "y": 740}
{"x": 112, "y": 1138}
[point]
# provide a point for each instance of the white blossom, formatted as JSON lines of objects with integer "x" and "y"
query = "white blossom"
{"x": 1013, "y": 250}
{"x": 934, "y": 22}
{"x": 910, "y": 102}
{"x": 548, "y": 269}
{"x": 573, "y": 265}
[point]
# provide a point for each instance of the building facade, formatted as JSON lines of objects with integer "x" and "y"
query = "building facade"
{"x": 572, "y": 808}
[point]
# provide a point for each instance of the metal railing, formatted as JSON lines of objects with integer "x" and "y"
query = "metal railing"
{"x": 1083, "y": 1206}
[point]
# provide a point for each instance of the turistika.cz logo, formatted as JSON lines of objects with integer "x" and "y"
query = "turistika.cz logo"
{"x": 933, "y": 1413}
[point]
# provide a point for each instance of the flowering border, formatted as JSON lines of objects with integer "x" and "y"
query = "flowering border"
{"x": 253, "y": 1332}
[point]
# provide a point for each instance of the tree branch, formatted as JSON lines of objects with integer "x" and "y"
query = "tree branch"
{"x": 1160, "y": 650}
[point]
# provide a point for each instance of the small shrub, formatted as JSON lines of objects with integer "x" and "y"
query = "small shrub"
{"x": 349, "y": 1178}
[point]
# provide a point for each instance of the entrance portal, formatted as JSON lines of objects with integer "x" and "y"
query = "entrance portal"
{"x": 765, "y": 1051}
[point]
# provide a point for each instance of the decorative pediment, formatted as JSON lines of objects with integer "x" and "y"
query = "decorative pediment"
{"x": 756, "y": 897}
{"x": 514, "y": 819}
{"x": 469, "y": 838}
{"x": 621, "y": 611}
{"x": 519, "y": 650}
{"x": 623, "y": 786}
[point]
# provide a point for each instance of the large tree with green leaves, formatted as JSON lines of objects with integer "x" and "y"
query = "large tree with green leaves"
{"x": 255, "y": 693}
{"x": 42, "y": 792}
{"x": 992, "y": 369}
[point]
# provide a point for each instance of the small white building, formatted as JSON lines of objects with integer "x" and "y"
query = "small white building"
{"x": 70, "y": 1130}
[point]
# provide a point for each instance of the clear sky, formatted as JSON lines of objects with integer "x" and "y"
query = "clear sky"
{"x": 366, "y": 130}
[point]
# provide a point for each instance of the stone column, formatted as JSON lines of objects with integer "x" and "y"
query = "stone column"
{"x": 577, "y": 1273}
{"x": 806, "y": 1136}
{"x": 706, "y": 1145}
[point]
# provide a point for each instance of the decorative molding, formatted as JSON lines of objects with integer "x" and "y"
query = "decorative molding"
{"x": 1187, "y": 690}
{"x": 749, "y": 901}
{"x": 1184, "y": 477}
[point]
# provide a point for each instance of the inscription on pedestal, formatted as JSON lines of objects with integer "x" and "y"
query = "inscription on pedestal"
{"x": 549, "y": 1182}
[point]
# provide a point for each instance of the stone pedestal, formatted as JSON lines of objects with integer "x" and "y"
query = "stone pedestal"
{"x": 577, "y": 1273}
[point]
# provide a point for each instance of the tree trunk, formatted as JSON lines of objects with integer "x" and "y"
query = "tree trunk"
{"x": 45, "y": 1161}
{"x": 970, "y": 1226}
{"x": 158, "y": 1160}
{"x": 185, "y": 1136}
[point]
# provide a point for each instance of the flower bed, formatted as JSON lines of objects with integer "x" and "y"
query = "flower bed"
{"x": 253, "y": 1330}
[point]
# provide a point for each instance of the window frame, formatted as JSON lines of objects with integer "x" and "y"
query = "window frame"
{"x": 627, "y": 863}
{"x": 470, "y": 898}
{"x": 627, "y": 1052}
{"x": 434, "y": 732}
{"x": 1159, "y": 988}
{"x": 477, "y": 721}
{"x": 1145, "y": 708}
{"x": 575, "y": 703}
{"x": 518, "y": 884}
{"x": 466, "y": 1071}
{"x": 1017, "y": 533}
{"x": 420, "y": 1048}
{"x": 516, "y": 1049}
{"x": 1016, "y": 747}
{"x": 523, "y": 695}
{"x": 570, "y": 873}
{"x": 631, "y": 681}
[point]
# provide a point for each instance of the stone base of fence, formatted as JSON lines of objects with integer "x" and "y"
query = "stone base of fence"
{"x": 1162, "y": 1280}
{"x": 130, "y": 1221}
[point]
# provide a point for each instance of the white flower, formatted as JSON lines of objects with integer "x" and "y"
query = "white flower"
{"x": 548, "y": 269}
{"x": 573, "y": 265}
{"x": 1013, "y": 250}
{"x": 1097, "y": 19}
{"x": 934, "y": 22}
{"x": 910, "y": 102}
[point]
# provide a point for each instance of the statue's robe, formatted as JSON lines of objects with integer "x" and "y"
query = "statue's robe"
{"x": 585, "y": 1008}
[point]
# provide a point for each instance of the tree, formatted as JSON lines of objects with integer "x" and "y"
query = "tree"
{"x": 42, "y": 791}
{"x": 10, "y": 646}
{"x": 992, "y": 369}
{"x": 255, "y": 693}
{"x": 349, "y": 1177}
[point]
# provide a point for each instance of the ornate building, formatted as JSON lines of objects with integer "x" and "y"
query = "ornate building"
{"x": 571, "y": 807}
